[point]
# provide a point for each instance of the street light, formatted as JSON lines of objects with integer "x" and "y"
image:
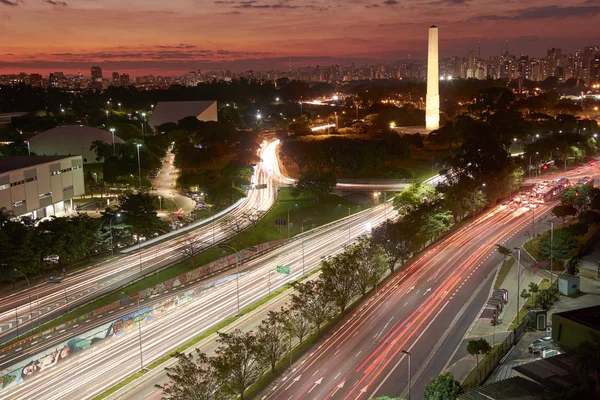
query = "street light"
{"x": 144, "y": 127}
{"x": 288, "y": 221}
{"x": 112, "y": 130}
{"x": 237, "y": 272}
{"x": 409, "y": 374}
{"x": 112, "y": 251}
{"x": 530, "y": 163}
{"x": 29, "y": 295}
{"x": 551, "y": 251}
{"x": 138, "y": 145}
{"x": 349, "y": 211}
{"x": 518, "y": 284}
{"x": 139, "y": 329}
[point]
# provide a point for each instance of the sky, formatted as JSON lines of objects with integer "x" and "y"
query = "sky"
{"x": 172, "y": 37}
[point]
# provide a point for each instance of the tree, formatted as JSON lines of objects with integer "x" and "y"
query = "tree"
{"x": 579, "y": 197}
{"x": 314, "y": 182}
{"x": 572, "y": 266}
{"x": 339, "y": 278}
{"x": 234, "y": 171}
{"x": 396, "y": 239}
{"x": 191, "y": 379}
{"x": 190, "y": 244}
{"x": 271, "y": 338}
{"x": 525, "y": 294}
{"x": 233, "y": 224}
{"x": 563, "y": 211}
{"x": 477, "y": 347}
{"x": 237, "y": 362}
{"x": 444, "y": 387}
{"x": 413, "y": 196}
{"x": 505, "y": 251}
{"x": 312, "y": 297}
{"x": 587, "y": 359}
{"x": 534, "y": 290}
{"x": 299, "y": 322}
{"x": 140, "y": 213}
{"x": 370, "y": 264}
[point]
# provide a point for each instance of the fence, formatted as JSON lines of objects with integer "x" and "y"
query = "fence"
{"x": 484, "y": 369}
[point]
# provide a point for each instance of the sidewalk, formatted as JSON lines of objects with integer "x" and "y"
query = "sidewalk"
{"x": 462, "y": 362}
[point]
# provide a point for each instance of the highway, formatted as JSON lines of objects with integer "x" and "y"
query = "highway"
{"x": 50, "y": 300}
{"x": 89, "y": 372}
{"x": 425, "y": 310}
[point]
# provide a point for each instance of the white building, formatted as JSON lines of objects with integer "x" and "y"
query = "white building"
{"x": 174, "y": 111}
{"x": 72, "y": 140}
{"x": 40, "y": 186}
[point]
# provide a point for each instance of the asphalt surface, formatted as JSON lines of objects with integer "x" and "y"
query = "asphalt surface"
{"x": 47, "y": 301}
{"x": 424, "y": 310}
{"x": 90, "y": 372}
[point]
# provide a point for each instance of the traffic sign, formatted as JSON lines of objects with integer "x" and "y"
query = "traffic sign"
{"x": 282, "y": 269}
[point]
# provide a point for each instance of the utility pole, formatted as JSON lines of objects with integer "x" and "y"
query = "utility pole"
{"x": 409, "y": 373}
{"x": 518, "y": 285}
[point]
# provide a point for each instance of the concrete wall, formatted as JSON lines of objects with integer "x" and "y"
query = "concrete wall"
{"x": 568, "y": 334}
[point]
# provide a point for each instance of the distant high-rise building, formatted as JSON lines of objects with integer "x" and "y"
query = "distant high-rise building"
{"x": 554, "y": 57}
{"x": 96, "y": 79}
{"x": 595, "y": 68}
{"x": 96, "y": 74}
{"x": 115, "y": 78}
{"x": 35, "y": 80}
{"x": 124, "y": 79}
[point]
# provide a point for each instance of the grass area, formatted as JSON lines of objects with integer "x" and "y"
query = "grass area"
{"x": 422, "y": 160}
{"x": 120, "y": 385}
{"x": 544, "y": 284}
{"x": 325, "y": 211}
{"x": 533, "y": 247}
{"x": 504, "y": 270}
{"x": 305, "y": 211}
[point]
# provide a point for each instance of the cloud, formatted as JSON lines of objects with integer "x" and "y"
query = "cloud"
{"x": 9, "y": 3}
{"x": 390, "y": 2}
{"x": 546, "y": 12}
{"x": 56, "y": 3}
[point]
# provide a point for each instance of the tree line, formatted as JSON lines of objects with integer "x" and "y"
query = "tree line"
{"x": 35, "y": 247}
{"x": 241, "y": 358}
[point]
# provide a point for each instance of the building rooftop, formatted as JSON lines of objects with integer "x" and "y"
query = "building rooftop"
{"x": 174, "y": 111}
{"x": 589, "y": 316}
{"x": 10, "y": 163}
{"x": 508, "y": 389}
{"x": 556, "y": 373}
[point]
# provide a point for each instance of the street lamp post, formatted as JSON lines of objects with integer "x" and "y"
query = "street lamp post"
{"x": 139, "y": 316}
{"x": 288, "y": 220}
{"x": 530, "y": 163}
{"x": 28, "y": 148}
{"x": 302, "y": 242}
{"x": 112, "y": 130}
{"x": 518, "y": 284}
{"x": 237, "y": 272}
{"x": 551, "y": 251}
{"x": 112, "y": 247}
{"x": 409, "y": 373}
{"x": 144, "y": 127}
{"x": 138, "y": 145}
{"x": 28, "y": 294}
{"x": 269, "y": 275}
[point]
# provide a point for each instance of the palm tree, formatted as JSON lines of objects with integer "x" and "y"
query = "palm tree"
{"x": 587, "y": 360}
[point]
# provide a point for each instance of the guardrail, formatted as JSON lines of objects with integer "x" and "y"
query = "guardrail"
{"x": 186, "y": 228}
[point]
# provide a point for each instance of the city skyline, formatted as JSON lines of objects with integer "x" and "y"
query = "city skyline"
{"x": 190, "y": 35}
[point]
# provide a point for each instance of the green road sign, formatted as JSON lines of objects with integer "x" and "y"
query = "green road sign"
{"x": 282, "y": 269}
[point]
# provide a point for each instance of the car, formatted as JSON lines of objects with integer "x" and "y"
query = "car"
{"x": 54, "y": 279}
{"x": 541, "y": 344}
{"x": 52, "y": 259}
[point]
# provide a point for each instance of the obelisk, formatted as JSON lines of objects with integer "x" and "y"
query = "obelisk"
{"x": 432, "y": 100}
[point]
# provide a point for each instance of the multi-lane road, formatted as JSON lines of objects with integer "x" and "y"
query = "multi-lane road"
{"x": 89, "y": 372}
{"x": 50, "y": 300}
{"x": 425, "y": 310}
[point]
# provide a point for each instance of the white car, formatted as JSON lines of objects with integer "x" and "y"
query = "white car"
{"x": 540, "y": 344}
